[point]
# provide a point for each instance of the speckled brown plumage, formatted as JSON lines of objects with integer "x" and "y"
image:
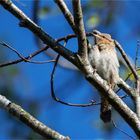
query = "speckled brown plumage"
{"x": 103, "y": 58}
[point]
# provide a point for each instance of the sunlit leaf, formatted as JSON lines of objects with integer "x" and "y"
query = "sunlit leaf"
{"x": 129, "y": 74}
{"x": 132, "y": 78}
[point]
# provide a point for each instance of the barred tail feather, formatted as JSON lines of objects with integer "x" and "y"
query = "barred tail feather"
{"x": 105, "y": 110}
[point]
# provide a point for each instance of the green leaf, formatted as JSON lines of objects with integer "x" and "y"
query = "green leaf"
{"x": 132, "y": 78}
{"x": 130, "y": 74}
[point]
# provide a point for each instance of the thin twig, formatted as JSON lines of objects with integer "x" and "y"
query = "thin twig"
{"x": 21, "y": 60}
{"x": 24, "y": 58}
{"x": 70, "y": 36}
{"x": 114, "y": 124}
{"x": 137, "y": 52}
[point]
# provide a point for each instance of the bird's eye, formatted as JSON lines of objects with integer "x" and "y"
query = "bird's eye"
{"x": 96, "y": 32}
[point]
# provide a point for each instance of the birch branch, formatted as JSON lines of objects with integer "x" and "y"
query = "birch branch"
{"x": 123, "y": 85}
{"x": 137, "y": 98}
{"x": 16, "y": 111}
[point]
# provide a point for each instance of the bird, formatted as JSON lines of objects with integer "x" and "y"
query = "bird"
{"x": 103, "y": 57}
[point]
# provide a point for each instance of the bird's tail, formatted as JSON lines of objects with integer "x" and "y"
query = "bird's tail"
{"x": 105, "y": 111}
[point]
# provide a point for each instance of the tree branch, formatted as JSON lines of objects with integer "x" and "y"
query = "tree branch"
{"x": 26, "y": 118}
{"x": 137, "y": 97}
{"x": 25, "y": 58}
{"x": 114, "y": 124}
{"x": 80, "y": 31}
{"x": 123, "y": 85}
{"x": 29, "y": 57}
